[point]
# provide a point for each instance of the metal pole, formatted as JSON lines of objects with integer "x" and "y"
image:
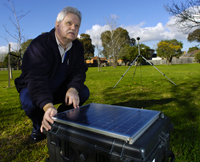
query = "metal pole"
{"x": 126, "y": 71}
{"x": 158, "y": 70}
{"x": 9, "y": 47}
{"x": 138, "y": 38}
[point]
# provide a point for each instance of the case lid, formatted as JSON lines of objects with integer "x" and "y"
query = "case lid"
{"x": 123, "y": 123}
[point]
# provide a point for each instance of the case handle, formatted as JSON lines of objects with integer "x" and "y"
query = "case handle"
{"x": 171, "y": 154}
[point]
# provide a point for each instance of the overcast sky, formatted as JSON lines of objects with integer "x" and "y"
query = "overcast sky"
{"x": 146, "y": 19}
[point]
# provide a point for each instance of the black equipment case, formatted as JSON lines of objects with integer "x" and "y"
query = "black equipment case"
{"x": 71, "y": 139}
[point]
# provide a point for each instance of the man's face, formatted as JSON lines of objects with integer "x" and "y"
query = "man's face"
{"x": 68, "y": 28}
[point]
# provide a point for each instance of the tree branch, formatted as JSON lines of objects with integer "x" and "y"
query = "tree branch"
{"x": 185, "y": 14}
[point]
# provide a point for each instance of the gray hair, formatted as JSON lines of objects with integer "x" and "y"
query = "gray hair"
{"x": 67, "y": 10}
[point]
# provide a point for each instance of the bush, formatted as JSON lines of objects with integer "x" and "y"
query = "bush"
{"x": 197, "y": 57}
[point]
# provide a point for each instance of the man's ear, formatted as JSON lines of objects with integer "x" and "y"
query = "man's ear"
{"x": 56, "y": 24}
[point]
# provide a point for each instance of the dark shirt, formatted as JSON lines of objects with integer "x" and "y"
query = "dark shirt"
{"x": 41, "y": 63}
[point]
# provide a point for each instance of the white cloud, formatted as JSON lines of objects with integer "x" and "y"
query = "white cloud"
{"x": 95, "y": 33}
{"x": 4, "y": 49}
{"x": 146, "y": 34}
{"x": 155, "y": 33}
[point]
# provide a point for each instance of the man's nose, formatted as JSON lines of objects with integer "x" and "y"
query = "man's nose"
{"x": 73, "y": 26}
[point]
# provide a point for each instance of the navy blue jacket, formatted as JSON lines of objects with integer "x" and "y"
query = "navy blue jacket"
{"x": 40, "y": 62}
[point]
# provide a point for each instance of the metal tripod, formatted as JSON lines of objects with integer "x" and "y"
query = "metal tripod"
{"x": 139, "y": 55}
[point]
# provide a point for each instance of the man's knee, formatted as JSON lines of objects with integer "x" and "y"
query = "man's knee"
{"x": 84, "y": 95}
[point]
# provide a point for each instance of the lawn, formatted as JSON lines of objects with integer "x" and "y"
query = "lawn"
{"x": 147, "y": 89}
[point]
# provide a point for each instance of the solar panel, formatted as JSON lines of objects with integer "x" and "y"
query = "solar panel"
{"x": 115, "y": 121}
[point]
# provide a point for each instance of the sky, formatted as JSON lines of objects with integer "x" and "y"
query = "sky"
{"x": 146, "y": 19}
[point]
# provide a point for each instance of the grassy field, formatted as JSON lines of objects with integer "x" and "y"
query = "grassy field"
{"x": 146, "y": 89}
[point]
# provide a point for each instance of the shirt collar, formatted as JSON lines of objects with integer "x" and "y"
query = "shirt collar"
{"x": 61, "y": 49}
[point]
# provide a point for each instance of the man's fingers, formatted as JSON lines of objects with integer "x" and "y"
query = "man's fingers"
{"x": 47, "y": 119}
{"x": 53, "y": 113}
{"x": 45, "y": 125}
{"x": 70, "y": 100}
{"x": 72, "y": 97}
{"x": 76, "y": 102}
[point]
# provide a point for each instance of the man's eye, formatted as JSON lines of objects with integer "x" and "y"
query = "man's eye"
{"x": 69, "y": 23}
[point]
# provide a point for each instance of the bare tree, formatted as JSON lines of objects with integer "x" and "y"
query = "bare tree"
{"x": 97, "y": 44}
{"x": 18, "y": 32}
{"x": 112, "y": 23}
{"x": 114, "y": 39}
{"x": 187, "y": 15}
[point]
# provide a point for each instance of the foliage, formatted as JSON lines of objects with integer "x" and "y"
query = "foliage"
{"x": 132, "y": 42}
{"x": 148, "y": 90}
{"x": 2, "y": 64}
{"x": 113, "y": 41}
{"x": 2, "y": 56}
{"x": 14, "y": 59}
{"x": 194, "y": 36}
{"x": 192, "y": 49}
{"x": 129, "y": 53}
{"x": 169, "y": 49}
{"x": 197, "y": 57}
{"x": 87, "y": 44}
{"x": 186, "y": 14}
{"x": 25, "y": 45}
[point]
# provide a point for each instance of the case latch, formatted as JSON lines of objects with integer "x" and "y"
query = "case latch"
{"x": 115, "y": 154}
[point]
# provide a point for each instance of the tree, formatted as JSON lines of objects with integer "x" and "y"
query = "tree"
{"x": 18, "y": 36}
{"x": 194, "y": 36}
{"x": 96, "y": 43}
{"x": 112, "y": 42}
{"x": 197, "y": 57}
{"x": 132, "y": 42}
{"x": 25, "y": 45}
{"x": 2, "y": 56}
{"x": 192, "y": 49}
{"x": 113, "y": 39}
{"x": 169, "y": 49}
{"x": 129, "y": 53}
{"x": 87, "y": 44}
{"x": 13, "y": 59}
{"x": 187, "y": 15}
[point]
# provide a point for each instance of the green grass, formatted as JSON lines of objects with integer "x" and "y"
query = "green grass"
{"x": 148, "y": 89}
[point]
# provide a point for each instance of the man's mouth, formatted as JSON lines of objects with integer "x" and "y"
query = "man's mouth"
{"x": 71, "y": 32}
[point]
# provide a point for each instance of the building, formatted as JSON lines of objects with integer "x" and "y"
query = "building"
{"x": 93, "y": 62}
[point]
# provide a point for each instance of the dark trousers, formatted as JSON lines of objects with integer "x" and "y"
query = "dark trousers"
{"x": 36, "y": 114}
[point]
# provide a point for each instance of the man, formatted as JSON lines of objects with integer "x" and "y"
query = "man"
{"x": 53, "y": 71}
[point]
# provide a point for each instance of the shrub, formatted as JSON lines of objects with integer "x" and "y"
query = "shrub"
{"x": 197, "y": 57}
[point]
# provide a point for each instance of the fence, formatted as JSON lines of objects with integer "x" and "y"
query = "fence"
{"x": 180, "y": 60}
{"x": 6, "y": 69}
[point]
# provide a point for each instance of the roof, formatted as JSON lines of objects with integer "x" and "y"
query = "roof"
{"x": 190, "y": 54}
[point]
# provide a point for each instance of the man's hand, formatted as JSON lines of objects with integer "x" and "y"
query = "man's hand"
{"x": 47, "y": 118}
{"x": 72, "y": 97}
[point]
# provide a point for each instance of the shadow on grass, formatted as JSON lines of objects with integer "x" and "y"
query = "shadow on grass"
{"x": 134, "y": 99}
{"x": 182, "y": 108}
{"x": 186, "y": 135}
{"x": 19, "y": 148}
